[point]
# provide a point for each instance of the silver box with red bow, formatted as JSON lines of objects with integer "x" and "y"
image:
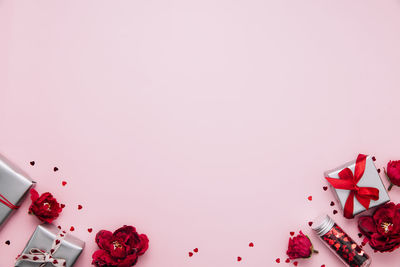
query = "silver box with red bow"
{"x": 14, "y": 185}
{"x": 50, "y": 247}
{"x": 368, "y": 179}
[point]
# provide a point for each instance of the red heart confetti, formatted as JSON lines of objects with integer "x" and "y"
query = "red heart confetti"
{"x": 287, "y": 260}
{"x": 62, "y": 206}
{"x": 79, "y": 207}
{"x": 379, "y": 170}
{"x": 55, "y": 169}
{"x": 72, "y": 229}
{"x": 278, "y": 260}
{"x": 59, "y": 227}
{"x": 292, "y": 233}
{"x": 295, "y": 263}
{"x": 251, "y": 244}
{"x": 190, "y": 254}
{"x": 195, "y": 250}
{"x": 310, "y": 223}
{"x": 89, "y": 230}
{"x": 373, "y": 158}
{"x": 309, "y": 198}
{"x": 8, "y": 242}
{"x": 332, "y": 203}
{"x": 239, "y": 258}
{"x": 334, "y": 211}
{"x": 32, "y": 163}
{"x": 325, "y": 188}
{"x": 359, "y": 235}
{"x": 64, "y": 183}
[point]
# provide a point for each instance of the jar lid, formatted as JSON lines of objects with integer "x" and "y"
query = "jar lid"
{"x": 322, "y": 224}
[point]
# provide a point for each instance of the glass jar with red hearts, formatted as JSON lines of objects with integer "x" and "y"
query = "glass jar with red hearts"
{"x": 340, "y": 243}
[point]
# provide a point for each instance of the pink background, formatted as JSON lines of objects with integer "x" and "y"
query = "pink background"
{"x": 203, "y": 123}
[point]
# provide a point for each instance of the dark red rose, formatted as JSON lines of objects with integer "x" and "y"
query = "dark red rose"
{"x": 45, "y": 207}
{"x": 382, "y": 229}
{"x": 119, "y": 249}
{"x": 299, "y": 247}
{"x": 393, "y": 173}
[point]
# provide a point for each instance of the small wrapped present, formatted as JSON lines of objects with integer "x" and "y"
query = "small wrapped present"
{"x": 357, "y": 186}
{"x": 14, "y": 185}
{"x": 50, "y": 246}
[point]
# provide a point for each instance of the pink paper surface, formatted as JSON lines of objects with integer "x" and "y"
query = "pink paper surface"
{"x": 206, "y": 124}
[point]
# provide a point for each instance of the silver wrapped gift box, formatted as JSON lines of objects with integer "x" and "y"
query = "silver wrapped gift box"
{"x": 43, "y": 239}
{"x": 370, "y": 178}
{"x": 14, "y": 185}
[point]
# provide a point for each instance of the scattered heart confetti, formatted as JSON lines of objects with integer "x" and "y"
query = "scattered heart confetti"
{"x": 310, "y": 223}
{"x": 59, "y": 227}
{"x": 89, "y": 230}
{"x": 239, "y": 258}
{"x": 359, "y": 235}
{"x": 32, "y": 163}
{"x": 251, "y": 244}
{"x": 332, "y": 203}
{"x": 55, "y": 169}
{"x": 8, "y": 242}
{"x": 278, "y": 260}
{"x": 195, "y": 250}
{"x": 295, "y": 263}
{"x": 79, "y": 207}
{"x": 287, "y": 260}
{"x": 309, "y": 198}
{"x": 292, "y": 233}
{"x": 325, "y": 188}
{"x": 64, "y": 183}
{"x": 190, "y": 254}
{"x": 373, "y": 158}
{"x": 334, "y": 212}
{"x": 62, "y": 206}
{"x": 72, "y": 229}
{"x": 379, "y": 170}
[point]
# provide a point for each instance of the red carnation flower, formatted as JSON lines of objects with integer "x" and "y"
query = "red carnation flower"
{"x": 45, "y": 207}
{"x": 393, "y": 173}
{"x": 300, "y": 246}
{"x": 119, "y": 249}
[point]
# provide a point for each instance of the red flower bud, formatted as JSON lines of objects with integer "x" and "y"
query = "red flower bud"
{"x": 300, "y": 246}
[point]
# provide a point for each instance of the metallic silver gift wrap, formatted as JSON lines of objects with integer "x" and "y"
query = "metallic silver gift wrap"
{"x": 43, "y": 237}
{"x": 370, "y": 178}
{"x": 14, "y": 185}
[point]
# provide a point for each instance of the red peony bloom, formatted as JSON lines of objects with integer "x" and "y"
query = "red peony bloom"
{"x": 382, "y": 229}
{"x": 119, "y": 249}
{"x": 393, "y": 173}
{"x": 45, "y": 207}
{"x": 300, "y": 247}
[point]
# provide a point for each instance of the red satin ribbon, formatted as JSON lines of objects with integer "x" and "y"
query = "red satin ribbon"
{"x": 349, "y": 181}
{"x": 6, "y": 202}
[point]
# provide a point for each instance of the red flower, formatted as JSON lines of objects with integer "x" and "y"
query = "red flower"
{"x": 382, "y": 229}
{"x": 119, "y": 249}
{"x": 393, "y": 173}
{"x": 300, "y": 246}
{"x": 45, "y": 207}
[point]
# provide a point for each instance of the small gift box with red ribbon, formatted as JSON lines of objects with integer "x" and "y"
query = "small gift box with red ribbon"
{"x": 50, "y": 246}
{"x": 357, "y": 186}
{"x": 14, "y": 186}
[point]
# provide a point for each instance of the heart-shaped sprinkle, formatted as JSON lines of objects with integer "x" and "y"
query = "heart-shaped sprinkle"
{"x": 72, "y": 229}
{"x": 190, "y": 254}
{"x": 79, "y": 207}
{"x": 359, "y": 235}
{"x": 55, "y": 169}
{"x": 195, "y": 250}
{"x": 59, "y": 227}
{"x": 278, "y": 260}
{"x": 287, "y": 260}
{"x": 35, "y": 258}
{"x": 332, "y": 203}
{"x": 55, "y": 262}
{"x": 309, "y": 198}
{"x": 32, "y": 163}
{"x": 325, "y": 188}
{"x": 310, "y": 223}
{"x": 239, "y": 258}
{"x": 292, "y": 233}
{"x": 295, "y": 263}
{"x": 8, "y": 242}
{"x": 57, "y": 241}
{"x": 334, "y": 212}
{"x": 373, "y": 158}
{"x": 90, "y": 230}
{"x": 24, "y": 256}
{"x": 52, "y": 250}
{"x": 251, "y": 244}
{"x": 62, "y": 206}
{"x": 64, "y": 183}
{"x": 378, "y": 170}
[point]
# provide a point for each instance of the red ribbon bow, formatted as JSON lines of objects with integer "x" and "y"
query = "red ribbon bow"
{"x": 349, "y": 181}
{"x": 6, "y": 202}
